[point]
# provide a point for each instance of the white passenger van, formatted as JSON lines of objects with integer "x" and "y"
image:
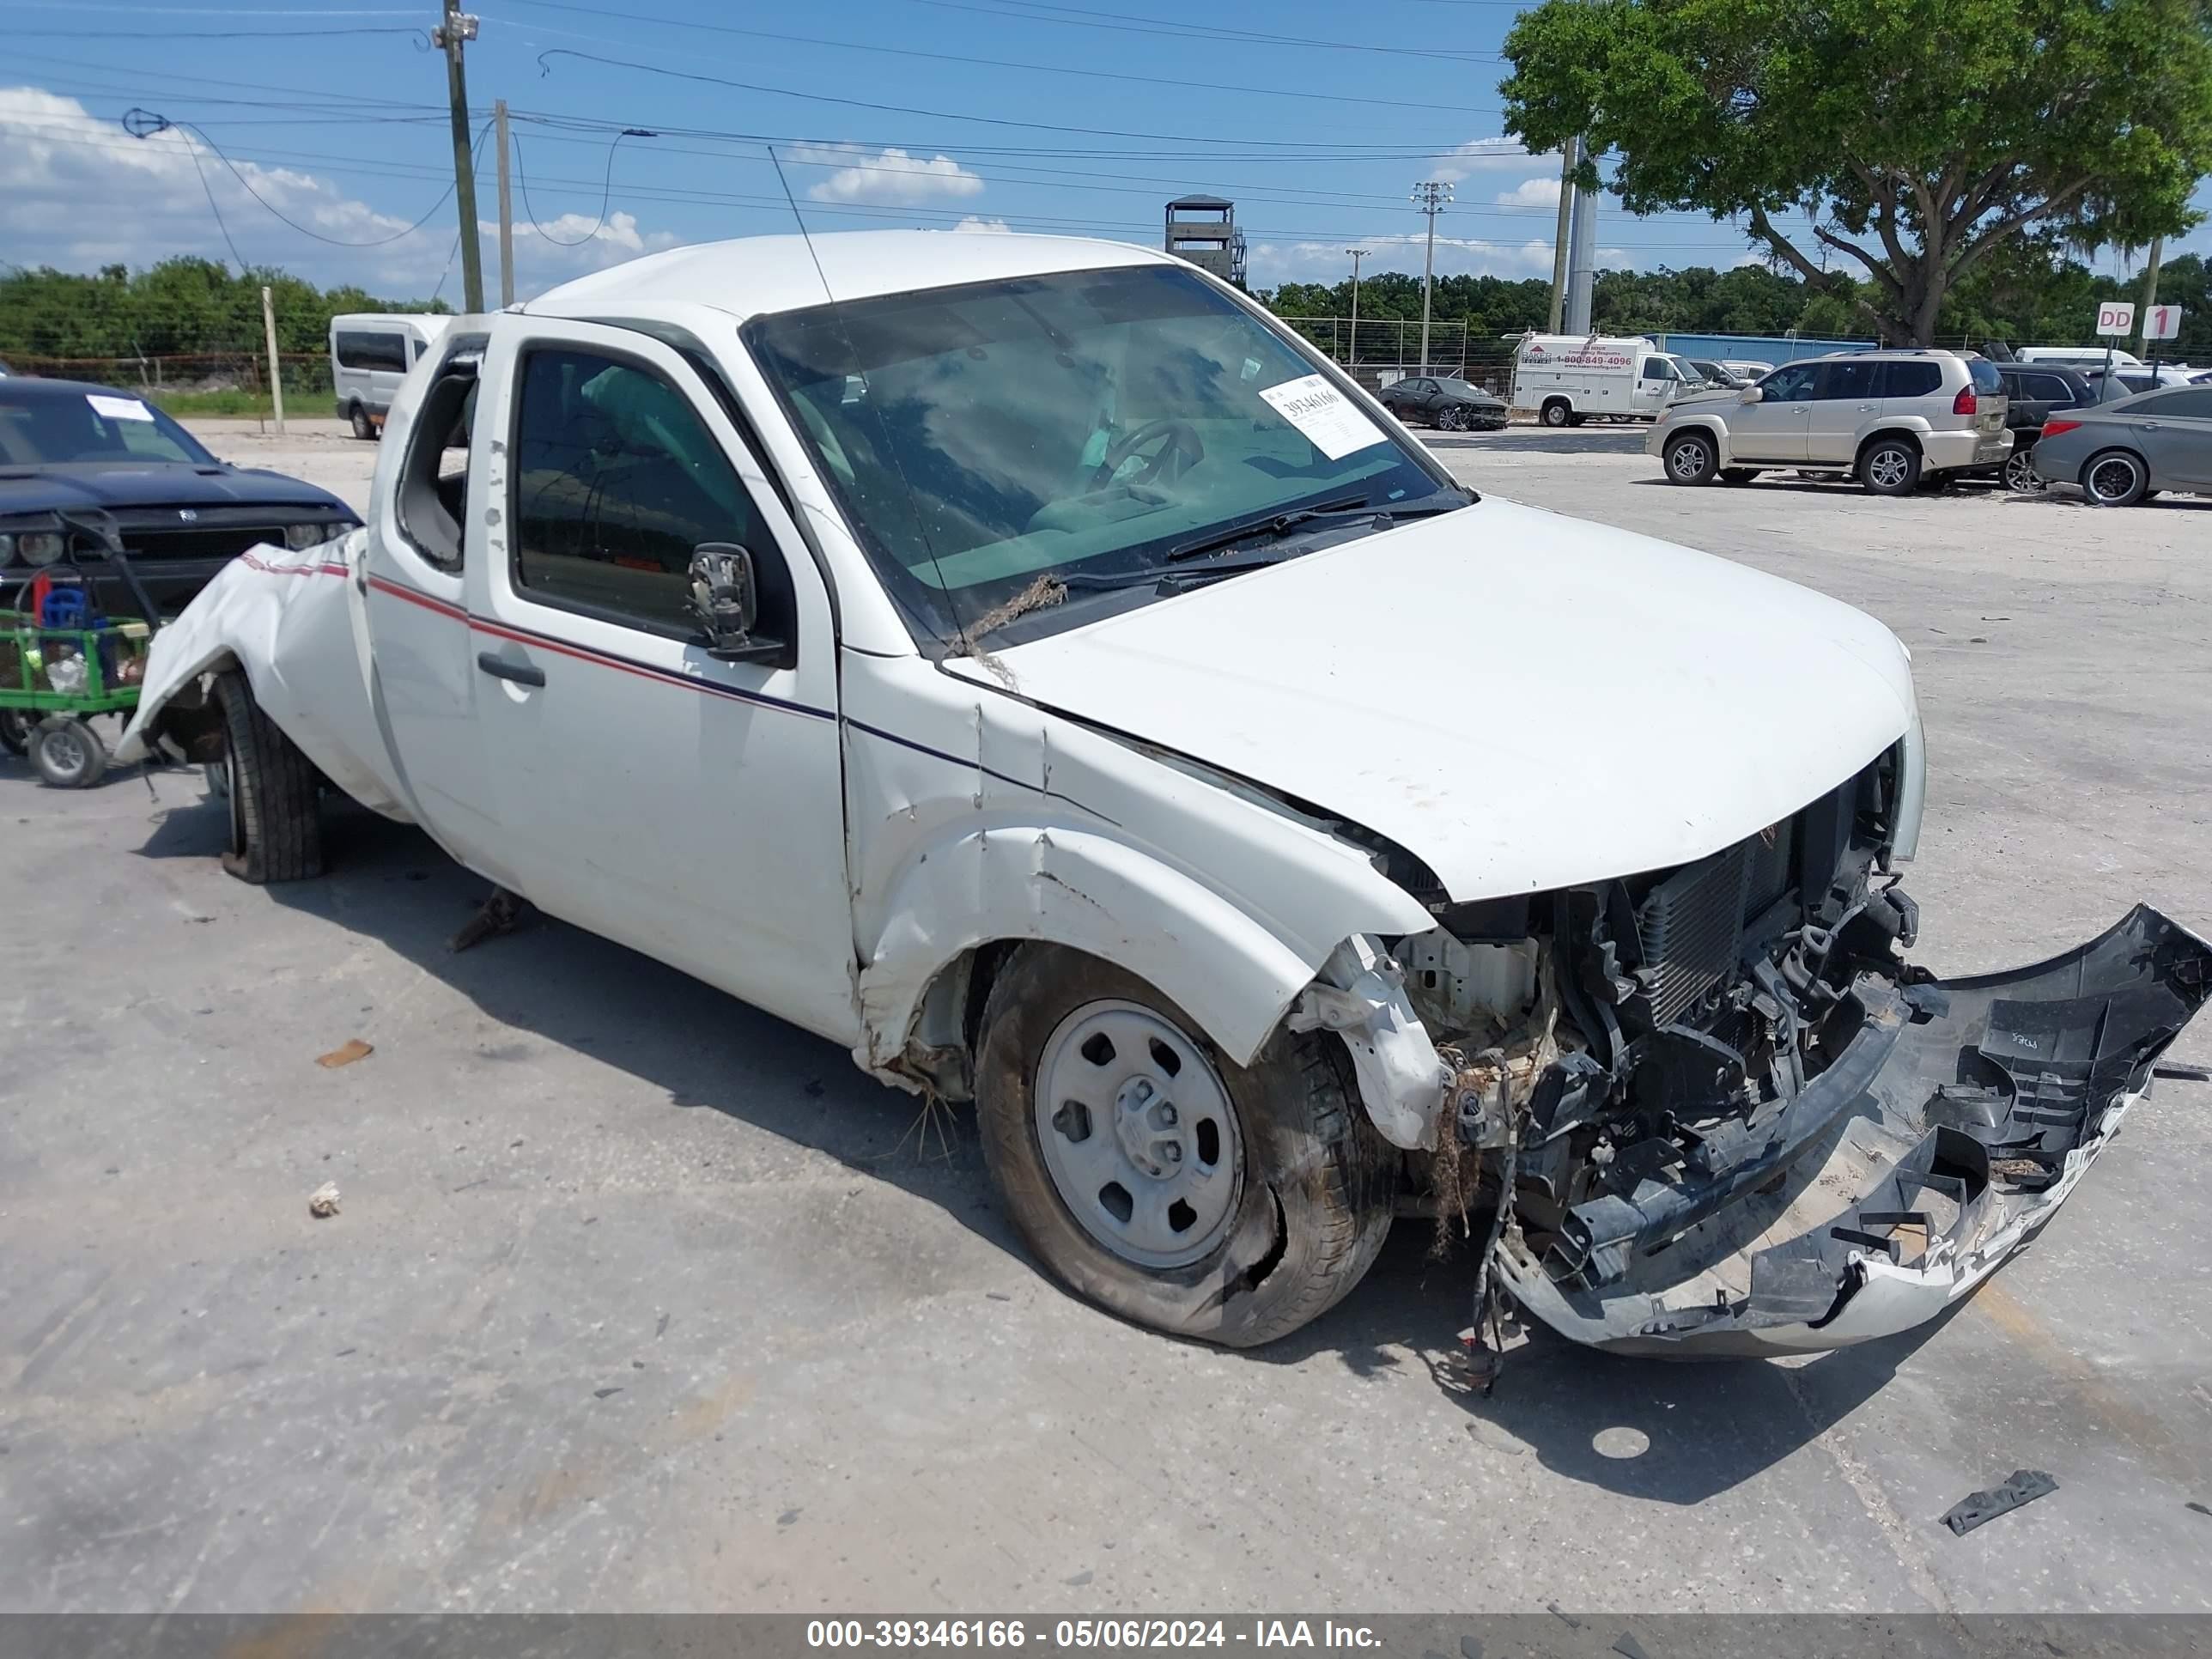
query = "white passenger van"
{"x": 370, "y": 355}
{"x": 1568, "y": 378}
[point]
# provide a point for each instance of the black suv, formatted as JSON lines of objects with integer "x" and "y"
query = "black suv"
{"x": 2034, "y": 393}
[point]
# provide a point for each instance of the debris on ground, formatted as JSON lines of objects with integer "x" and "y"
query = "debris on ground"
{"x": 2025, "y": 1487}
{"x": 500, "y": 912}
{"x": 322, "y": 1202}
{"x": 345, "y": 1053}
{"x": 2201, "y": 1509}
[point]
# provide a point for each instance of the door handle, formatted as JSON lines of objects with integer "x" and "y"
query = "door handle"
{"x": 1868, "y": 408}
{"x": 499, "y": 668}
{"x": 2147, "y": 426}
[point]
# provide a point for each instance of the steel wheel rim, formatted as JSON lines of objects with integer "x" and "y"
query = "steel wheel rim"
{"x": 1138, "y": 1135}
{"x": 2020, "y": 475}
{"x": 2111, "y": 478}
{"x": 1689, "y": 458}
{"x": 1556, "y": 415}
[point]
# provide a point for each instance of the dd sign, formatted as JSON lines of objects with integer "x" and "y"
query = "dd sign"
{"x": 2115, "y": 317}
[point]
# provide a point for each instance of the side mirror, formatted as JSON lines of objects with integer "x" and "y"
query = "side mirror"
{"x": 1750, "y": 394}
{"x": 725, "y": 601}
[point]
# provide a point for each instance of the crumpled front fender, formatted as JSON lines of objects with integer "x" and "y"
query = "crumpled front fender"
{"x": 1986, "y": 1102}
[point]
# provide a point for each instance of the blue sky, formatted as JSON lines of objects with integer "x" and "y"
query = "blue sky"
{"x": 1316, "y": 121}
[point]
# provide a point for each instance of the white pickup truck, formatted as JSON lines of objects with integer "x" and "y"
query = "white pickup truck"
{"x": 1024, "y": 663}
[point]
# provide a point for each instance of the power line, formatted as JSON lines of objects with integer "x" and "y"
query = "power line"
{"x": 606, "y": 186}
{"x": 208, "y": 34}
{"x": 959, "y": 57}
{"x": 164, "y": 123}
{"x": 892, "y": 109}
{"x": 1034, "y": 12}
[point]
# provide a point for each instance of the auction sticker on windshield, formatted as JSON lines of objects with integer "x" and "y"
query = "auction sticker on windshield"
{"x": 130, "y": 409}
{"x": 1329, "y": 420}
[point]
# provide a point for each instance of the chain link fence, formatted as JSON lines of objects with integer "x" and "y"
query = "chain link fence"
{"x": 201, "y": 382}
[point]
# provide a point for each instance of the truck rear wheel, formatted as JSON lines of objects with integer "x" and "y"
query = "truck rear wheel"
{"x": 1158, "y": 1179}
{"x": 362, "y": 426}
{"x": 270, "y": 792}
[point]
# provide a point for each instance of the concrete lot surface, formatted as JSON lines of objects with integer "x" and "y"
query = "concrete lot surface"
{"x": 639, "y": 1300}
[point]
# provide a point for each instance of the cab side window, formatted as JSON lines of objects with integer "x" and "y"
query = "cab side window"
{"x": 616, "y": 482}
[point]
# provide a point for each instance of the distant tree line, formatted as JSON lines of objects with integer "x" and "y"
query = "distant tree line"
{"x": 180, "y": 308}
{"x": 2019, "y": 297}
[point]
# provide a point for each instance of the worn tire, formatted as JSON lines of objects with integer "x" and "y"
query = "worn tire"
{"x": 276, "y": 824}
{"x": 67, "y": 753}
{"x": 1319, "y": 1184}
{"x": 1890, "y": 466}
{"x": 363, "y": 428}
{"x": 17, "y": 726}
{"x": 1692, "y": 459}
{"x": 1557, "y": 411}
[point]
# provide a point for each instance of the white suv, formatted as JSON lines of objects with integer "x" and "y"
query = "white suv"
{"x": 1892, "y": 419}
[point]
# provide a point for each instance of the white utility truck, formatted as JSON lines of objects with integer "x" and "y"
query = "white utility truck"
{"x": 1568, "y": 378}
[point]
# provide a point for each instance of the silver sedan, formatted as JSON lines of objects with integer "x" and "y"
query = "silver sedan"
{"x": 2127, "y": 451}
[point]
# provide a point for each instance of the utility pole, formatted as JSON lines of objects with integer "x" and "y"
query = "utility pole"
{"x": 1581, "y": 266}
{"x": 1570, "y": 157}
{"x": 458, "y": 28}
{"x": 506, "y": 210}
{"x": 269, "y": 336}
{"x": 2150, "y": 289}
{"x": 1429, "y": 196}
{"x": 1358, "y": 254}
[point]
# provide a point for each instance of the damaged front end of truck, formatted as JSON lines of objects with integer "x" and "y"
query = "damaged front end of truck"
{"x": 1731, "y": 1117}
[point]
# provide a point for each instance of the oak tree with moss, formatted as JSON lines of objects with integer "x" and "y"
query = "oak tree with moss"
{"x": 1918, "y": 137}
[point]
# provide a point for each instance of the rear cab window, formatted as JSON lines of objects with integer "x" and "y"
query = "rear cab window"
{"x": 1986, "y": 377}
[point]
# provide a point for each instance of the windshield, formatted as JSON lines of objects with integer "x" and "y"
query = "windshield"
{"x": 981, "y": 437}
{"x": 40, "y": 427}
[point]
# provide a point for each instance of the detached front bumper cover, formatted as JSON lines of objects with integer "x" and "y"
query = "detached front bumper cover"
{"x": 1963, "y": 1112}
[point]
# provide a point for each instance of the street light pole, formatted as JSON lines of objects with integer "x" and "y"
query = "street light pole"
{"x": 1429, "y": 196}
{"x": 1358, "y": 254}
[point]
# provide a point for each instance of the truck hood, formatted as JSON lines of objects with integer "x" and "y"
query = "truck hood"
{"x": 1522, "y": 701}
{"x": 42, "y": 489}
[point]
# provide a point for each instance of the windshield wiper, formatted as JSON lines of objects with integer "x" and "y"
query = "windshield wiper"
{"x": 1279, "y": 524}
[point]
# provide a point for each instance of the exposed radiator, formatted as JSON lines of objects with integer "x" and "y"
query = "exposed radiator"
{"x": 1692, "y": 927}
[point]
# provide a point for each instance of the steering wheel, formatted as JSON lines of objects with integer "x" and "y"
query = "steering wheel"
{"x": 1180, "y": 452}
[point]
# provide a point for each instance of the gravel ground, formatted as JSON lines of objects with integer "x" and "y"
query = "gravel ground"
{"x": 638, "y": 1300}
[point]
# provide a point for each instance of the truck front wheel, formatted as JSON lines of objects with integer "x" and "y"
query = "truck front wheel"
{"x": 1160, "y": 1180}
{"x": 270, "y": 793}
{"x": 1558, "y": 411}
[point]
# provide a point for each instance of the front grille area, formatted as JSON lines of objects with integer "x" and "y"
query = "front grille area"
{"x": 197, "y": 541}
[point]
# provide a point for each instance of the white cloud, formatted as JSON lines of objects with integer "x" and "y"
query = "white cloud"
{"x": 887, "y": 176}
{"x": 82, "y": 193}
{"x": 1539, "y": 191}
{"x": 1272, "y": 263}
{"x": 1486, "y": 155}
{"x": 973, "y": 226}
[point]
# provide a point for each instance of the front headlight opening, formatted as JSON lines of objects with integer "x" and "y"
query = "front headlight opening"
{"x": 40, "y": 547}
{"x": 306, "y": 535}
